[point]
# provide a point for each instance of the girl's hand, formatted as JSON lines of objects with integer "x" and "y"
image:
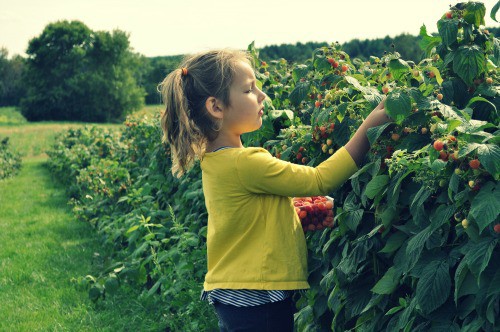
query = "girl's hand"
{"x": 359, "y": 145}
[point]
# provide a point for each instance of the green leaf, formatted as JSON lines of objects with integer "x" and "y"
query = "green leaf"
{"x": 460, "y": 274}
{"x": 415, "y": 246}
{"x": 374, "y": 133}
{"x": 111, "y": 284}
{"x": 274, "y": 114}
{"x": 485, "y": 206}
{"x": 353, "y": 218}
{"x": 420, "y": 197}
{"x": 428, "y": 43}
{"x": 388, "y": 283}
{"x": 441, "y": 215}
{"x": 489, "y": 156}
{"x": 353, "y": 81}
{"x": 95, "y": 292}
{"x": 299, "y": 72}
{"x": 398, "y": 68}
{"x": 479, "y": 255}
{"x": 376, "y": 185}
{"x": 398, "y": 105}
{"x": 453, "y": 186}
{"x": 299, "y": 92}
{"x": 436, "y": 72}
{"x": 493, "y": 289}
{"x": 448, "y": 30}
{"x": 469, "y": 63}
{"x": 433, "y": 287}
{"x": 475, "y": 99}
{"x": 132, "y": 229}
{"x": 474, "y": 13}
{"x": 437, "y": 165}
{"x": 394, "y": 242}
{"x": 388, "y": 216}
{"x": 393, "y": 311}
{"x": 474, "y": 326}
{"x": 494, "y": 10}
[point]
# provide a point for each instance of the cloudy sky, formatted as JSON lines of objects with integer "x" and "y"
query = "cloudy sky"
{"x": 172, "y": 27}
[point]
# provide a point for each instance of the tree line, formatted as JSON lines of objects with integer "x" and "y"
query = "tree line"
{"x": 74, "y": 73}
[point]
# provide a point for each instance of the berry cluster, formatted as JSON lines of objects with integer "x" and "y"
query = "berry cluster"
{"x": 315, "y": 212}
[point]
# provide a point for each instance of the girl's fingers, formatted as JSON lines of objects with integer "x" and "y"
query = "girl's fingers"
{"x": 381, "y": 104}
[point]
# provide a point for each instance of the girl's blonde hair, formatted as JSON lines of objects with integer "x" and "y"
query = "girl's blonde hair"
{"x": 187, "y": 125}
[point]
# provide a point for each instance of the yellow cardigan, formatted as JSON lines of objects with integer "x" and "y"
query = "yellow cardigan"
{"x": 255, "y": 239}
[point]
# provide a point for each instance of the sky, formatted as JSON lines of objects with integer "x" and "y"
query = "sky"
{"x": 171, "y": 27}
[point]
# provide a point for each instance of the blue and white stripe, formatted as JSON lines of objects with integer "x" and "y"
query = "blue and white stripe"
{"x": 245, "y": 297}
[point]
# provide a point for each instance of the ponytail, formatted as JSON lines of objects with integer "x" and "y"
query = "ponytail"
{"x": 187, "y": 126}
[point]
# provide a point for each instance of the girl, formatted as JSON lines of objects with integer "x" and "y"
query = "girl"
{"x": 255, "y": 243}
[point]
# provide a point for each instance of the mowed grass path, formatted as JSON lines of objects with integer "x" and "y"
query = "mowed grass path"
{"x": 43, "y": 248}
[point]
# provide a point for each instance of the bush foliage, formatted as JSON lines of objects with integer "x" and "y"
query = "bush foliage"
{"x": 10, "y": 161}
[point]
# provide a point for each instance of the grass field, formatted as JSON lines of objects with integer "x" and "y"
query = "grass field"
{"x": 43, "y": 248}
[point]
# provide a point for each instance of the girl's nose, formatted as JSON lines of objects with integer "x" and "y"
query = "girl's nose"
{"x": 262, "y": 96}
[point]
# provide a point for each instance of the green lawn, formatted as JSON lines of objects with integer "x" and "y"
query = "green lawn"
{"x": 43, "y": 248}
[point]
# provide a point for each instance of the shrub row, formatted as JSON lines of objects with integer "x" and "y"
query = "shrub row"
{"x": 10, "y": 160}
{"x": 153, "y": 223}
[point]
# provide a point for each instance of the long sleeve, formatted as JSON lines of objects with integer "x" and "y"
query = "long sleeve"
{"x": 259, "y": 172}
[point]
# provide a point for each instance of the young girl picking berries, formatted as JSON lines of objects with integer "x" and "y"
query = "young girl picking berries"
{"x": 256, "y": 248}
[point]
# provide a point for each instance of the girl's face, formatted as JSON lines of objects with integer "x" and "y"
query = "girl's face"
{"x": 244, "y": 114}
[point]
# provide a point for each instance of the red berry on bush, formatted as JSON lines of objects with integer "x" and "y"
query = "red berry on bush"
{"x": 438, "y": 145}
{"x": 497, "y": 228}
{"x": 474, "y": 164}
{"x": 317, "y": 104}
{"x": 443, "y": 155}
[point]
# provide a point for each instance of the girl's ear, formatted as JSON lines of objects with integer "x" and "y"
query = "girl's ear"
{"x": 214, "y": 107}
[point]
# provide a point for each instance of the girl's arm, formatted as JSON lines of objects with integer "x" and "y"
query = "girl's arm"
{"x": 359, "y": 145}
{"x": 261, "y": 173}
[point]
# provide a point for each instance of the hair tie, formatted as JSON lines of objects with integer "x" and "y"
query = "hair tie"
{"x": 184, "y": 71}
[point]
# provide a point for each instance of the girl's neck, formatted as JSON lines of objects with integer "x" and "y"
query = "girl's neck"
{"x": 224, "y": 141}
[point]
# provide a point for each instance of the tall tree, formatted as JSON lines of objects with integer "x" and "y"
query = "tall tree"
{"x": 74, "y": 73}
{"x": 11, "y": 72}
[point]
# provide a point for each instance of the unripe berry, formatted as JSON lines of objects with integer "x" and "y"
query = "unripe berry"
{"x": 465, "y": 223}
